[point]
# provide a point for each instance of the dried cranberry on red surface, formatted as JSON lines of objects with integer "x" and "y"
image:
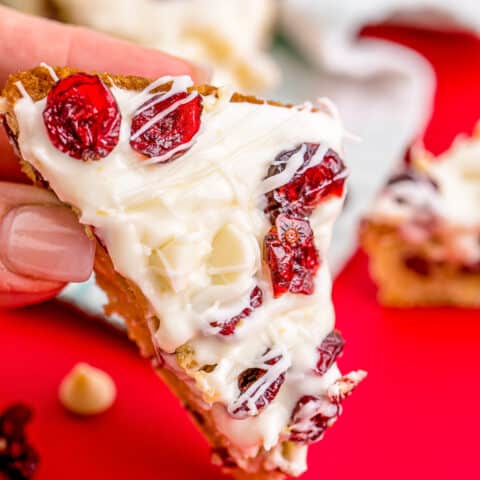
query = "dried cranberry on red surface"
{"x": 328, "y": 351}
{"x": 161, "y": 126}
{"x": 311, "y": 417}
{"x": 258, "y": 385}
{"x": 228, "y": 327}
{"x": 291, "y": 256}
{"x": 82, "y": 117}
{"x": 311, "y": 183}
{"x": 18, "y": 459}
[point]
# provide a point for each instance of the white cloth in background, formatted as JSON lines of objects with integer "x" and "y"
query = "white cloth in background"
{"x": 384, "y": 91}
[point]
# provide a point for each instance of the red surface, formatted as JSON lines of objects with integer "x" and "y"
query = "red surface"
{"x": 416, "y": 416}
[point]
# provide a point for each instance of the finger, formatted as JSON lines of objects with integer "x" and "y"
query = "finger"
{"x": 27, "y": 41}
{"x": 42, "y": 246}
{"x": 45, "y": 242}
{"x": 95, "y": 51}
{"x": 38, "y": 234}
{"x": 13, "y": 284}
{"x": 13, "y": 195}
{"x": 15, "y": 299}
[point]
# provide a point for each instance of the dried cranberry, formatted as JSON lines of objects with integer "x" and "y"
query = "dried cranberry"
{"x": 280, "y": 261}
{"x": 18, "y": 460}
{"x": 293, "y": 231}
{"x": 82, "y": 117}
{"x": 470, "y": 268}
{"x": 417, "y": 264}
{"x": 228, "y": 327}
{"x": 311, "y": 417}
{"x": 165, "y": 126}
{"x": 412, "y": 176}
{"x": 309, "y": 185}
{"x": 328, "y": 351}
{"x": 258, "y": 386}
{"x": 291, "y": 256}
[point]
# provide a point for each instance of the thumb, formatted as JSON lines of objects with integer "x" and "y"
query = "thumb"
{"x": 42, "y": 245}
{"x": 45, "y": 242}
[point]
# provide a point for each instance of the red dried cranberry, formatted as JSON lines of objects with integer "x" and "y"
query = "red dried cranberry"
{"x": 417, "y": 264}
{"x": 263, "y": 390}
{"x": 18, "y": 460}
{"x": 256, "y": 298}
{"x": 82, "y": 117}
{"x": 280, "y": 261}
{"x": 293, "y": 231}
{"x": 309, "y": 185}
{"x": 470, "y": 268}
{"x": 156, "y": 130}
{"x": 291, "y": 256}
{"x": 328, "y": 351}
{"x": 228, "y": 327}
{"x": 311, "y": 417}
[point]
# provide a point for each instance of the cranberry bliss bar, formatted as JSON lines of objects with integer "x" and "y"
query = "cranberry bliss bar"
{"x": 423, "y": 233}
{"x": 212, "y": 214}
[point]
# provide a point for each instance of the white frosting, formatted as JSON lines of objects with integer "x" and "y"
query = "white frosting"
{"x": 189, "y": 234}
{"x": 456, "y": 201}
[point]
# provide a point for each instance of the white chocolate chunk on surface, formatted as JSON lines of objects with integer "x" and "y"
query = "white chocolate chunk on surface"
{"x": 87, "y": 390}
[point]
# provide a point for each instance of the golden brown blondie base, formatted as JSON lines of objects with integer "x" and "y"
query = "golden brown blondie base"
{"x": 405, "y": 277}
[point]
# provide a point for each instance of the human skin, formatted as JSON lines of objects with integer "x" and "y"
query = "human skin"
{"x": 42, "y": 246}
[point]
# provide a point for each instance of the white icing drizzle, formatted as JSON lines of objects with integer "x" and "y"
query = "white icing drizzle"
{"x": 163, "y": 114}
{"x": 331, "y": 108}
{"x": 257, "y": 390}
{"x": 351, "y": 137}
{"x": 179, "y": 84}
{"x": 189, "y": 233}
{"x": 50, "y": 70}
{"x": 22, "y": 90}
{"x": 293, "y": 165}
{"x": 317, "y": 158}
{"x": 171, "y": 153}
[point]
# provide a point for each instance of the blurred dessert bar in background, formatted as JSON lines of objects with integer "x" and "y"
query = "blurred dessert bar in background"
{"x": 422, "y": 233}
{"x": 231, "y": 36}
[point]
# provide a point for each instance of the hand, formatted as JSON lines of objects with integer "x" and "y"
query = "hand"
{"x": 42, "y": 246}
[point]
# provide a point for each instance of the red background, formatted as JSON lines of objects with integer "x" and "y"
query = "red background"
{"x": 416, "y": 416}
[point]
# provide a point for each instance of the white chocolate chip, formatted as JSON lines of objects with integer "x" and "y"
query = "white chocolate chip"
{"x": 86, "y": 390}
{"x": 232, "y": 255}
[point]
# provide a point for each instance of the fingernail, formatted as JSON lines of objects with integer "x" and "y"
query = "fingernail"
{"x": 201, "y": 73}
{"x": 46, "y": 242}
